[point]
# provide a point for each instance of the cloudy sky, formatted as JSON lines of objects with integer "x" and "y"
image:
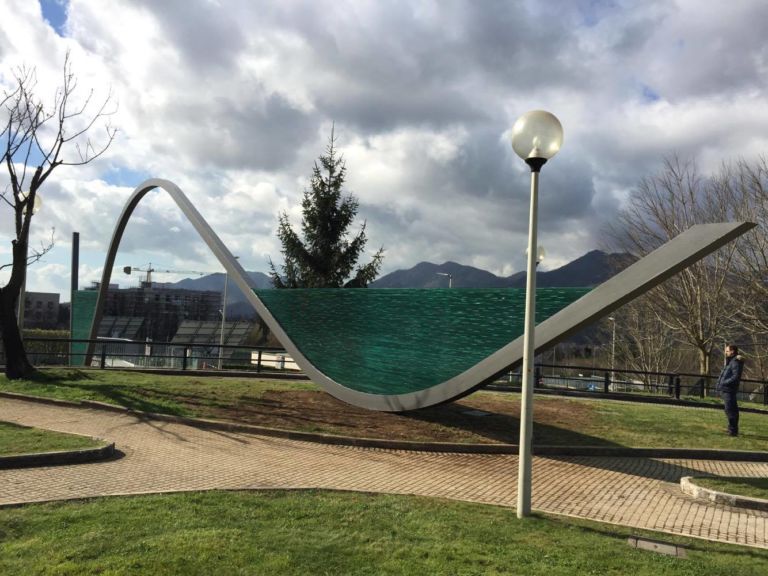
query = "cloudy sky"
{"x": 234, "y": 99}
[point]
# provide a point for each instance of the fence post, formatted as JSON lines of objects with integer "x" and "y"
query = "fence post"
{"x": 184, "y": 358}
{"x": 607, "y": 382}
{"x": 704, "y": 386}
{"x": 765, "y": 392}
{"x": 677, "y": 387}
{"x": 670, "y": 384}
{"x": 258, "y": 362}
{"x": 103, "y": 361}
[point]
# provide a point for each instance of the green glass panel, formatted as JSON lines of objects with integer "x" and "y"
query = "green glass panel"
{"x": 83, "y": 309}
{"x": 396, "y": 341}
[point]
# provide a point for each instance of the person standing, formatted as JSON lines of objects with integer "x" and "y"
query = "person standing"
{"x": 728, "y": 386}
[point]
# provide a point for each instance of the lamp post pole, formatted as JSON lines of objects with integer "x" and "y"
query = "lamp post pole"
{"x": 223, "y": 321}
{"x": 613, "y": 346}
{"x": 223, "y": 318}
{"x": 526, "y": 407}
{"x": 450, "y": 278}
{"x": 536, "y": 137}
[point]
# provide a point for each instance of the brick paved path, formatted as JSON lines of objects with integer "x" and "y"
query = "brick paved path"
{"x": 160, "y": 457}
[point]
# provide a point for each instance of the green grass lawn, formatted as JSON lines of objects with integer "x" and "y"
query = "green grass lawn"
{"x": 332, "y": 533}
{"x": 557, "y": 420}
{"x": 717, "y": 401}
{"x": 16, "y": 440}
{"x": 658, "y": 425}
{"x": 752, "y": 487}
{"x": 145, "y": 391}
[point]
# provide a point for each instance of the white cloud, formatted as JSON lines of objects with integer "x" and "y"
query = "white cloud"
{"x": 234, "y": 101}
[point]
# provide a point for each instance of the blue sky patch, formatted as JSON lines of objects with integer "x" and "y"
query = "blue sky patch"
{"x": 123, "y": 176}
{"x": 55, "y": 13}
{"x": 649, "y": 94}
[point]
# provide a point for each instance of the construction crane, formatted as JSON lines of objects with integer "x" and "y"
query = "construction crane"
{"x": 149, "y": 270}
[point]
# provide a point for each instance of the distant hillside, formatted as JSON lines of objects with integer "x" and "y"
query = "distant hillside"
{"x": 216, "y": 282}
{"x": 590, "y": 270}
{"x": 428, "y": 275}
{"x": 593, "y": 268}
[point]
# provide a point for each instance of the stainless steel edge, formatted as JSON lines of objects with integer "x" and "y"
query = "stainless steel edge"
{"x": 672, "y": 257}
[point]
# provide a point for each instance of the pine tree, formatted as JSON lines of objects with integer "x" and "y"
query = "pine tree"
{"x": 325, "y": 257}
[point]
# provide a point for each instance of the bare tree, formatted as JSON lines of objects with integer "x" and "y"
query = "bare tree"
{"x": 643, "y": 343}
{"x": 37, "y": 140}
{"x": 744, "y": 185}
{"x": 694, "y": 306}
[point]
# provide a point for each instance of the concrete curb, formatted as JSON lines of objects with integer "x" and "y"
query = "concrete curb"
{"x": 688, "y": 486}
{"x": 676, "y": 453}
{"x": 453, "y": 447}
{"x": 58, "y": 458}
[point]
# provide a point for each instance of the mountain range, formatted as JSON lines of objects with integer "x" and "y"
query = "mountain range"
{"x": 589, "y": 270}
{"x": 237, "y": 306}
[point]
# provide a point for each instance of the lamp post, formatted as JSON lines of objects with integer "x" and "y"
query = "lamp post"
{"x": 613, "y": 345}
{"x": 223, "y": 318}
{"x": 450, "y": 278}
{"x": 536, "y": 137}
{"x": 541, "y": 253}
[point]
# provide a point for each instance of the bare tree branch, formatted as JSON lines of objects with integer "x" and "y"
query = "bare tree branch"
{"x": 37, "y": 140}
{"x": 695, "y": 306}
{"x": 37, "y": 254}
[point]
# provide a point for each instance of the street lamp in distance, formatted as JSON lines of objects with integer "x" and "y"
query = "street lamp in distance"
{"x": 223, "y": 318}
{"x": 541, "y": 253}
{"x": 613, "y": 345}
{"x": 536, "y": 137}
{"x": 450, "y": 278}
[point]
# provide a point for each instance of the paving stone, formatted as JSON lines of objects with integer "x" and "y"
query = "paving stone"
{"x": 168, "y": 457}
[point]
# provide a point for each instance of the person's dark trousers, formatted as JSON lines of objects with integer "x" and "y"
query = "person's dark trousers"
{"x": 731, "y": 411}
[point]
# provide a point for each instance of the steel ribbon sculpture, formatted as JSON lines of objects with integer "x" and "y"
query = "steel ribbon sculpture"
{"x": 323, "y": 367}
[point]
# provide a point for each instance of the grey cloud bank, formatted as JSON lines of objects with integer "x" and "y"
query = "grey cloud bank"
{"x": 233, "y": 100}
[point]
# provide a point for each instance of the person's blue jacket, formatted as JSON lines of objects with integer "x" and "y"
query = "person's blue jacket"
{"x": 730, "y": 377}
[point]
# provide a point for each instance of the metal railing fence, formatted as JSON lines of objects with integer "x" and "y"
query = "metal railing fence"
{"x": 125, "y": 354}
{"x": 114, "y": 353}
{"x": 678, "y": 385}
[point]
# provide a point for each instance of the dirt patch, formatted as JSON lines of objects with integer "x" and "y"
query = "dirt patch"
{"x": 483, "y": 417}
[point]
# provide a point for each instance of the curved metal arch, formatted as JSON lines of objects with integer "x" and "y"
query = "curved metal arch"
{"x": 677, "y": 254}
{"x": 231, "y": 265}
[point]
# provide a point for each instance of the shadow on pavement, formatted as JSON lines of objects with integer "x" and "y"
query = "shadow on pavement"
{"x": 689, "y": 544}
{"x": 652, "y": 468}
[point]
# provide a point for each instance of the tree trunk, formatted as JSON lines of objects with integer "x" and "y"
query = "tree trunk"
{"x": 704, "y": 361}
{"x": 704, "y": 367}
{"x": 16, "y": 364}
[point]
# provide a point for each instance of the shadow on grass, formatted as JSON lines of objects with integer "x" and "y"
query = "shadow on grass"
{"x": 320, "y": 412}
{"x": 503, "y": 428}
{"x": 73, "y": 375}
{"x": 754, "y": 436}
{"x": 128, "y": 397}
{"x": 330, "y": 413}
